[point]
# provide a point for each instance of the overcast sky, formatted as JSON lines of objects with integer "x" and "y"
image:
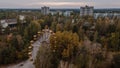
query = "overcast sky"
{"x": 59, "y": 3}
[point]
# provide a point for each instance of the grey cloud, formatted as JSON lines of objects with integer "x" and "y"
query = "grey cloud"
{"x": 37, "y": 3}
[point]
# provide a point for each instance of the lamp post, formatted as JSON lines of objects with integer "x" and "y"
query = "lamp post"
{"x": 30, "y": 47}
{"x": 54, "y": 48}
{"x": 43, "y": 30}
{"x": 35, "y": 37}
{"x": 38, "y": 33}
{"x": 30, "y": 53}
{"x": 31, "y": 42}
{"x": 30, "y": 56}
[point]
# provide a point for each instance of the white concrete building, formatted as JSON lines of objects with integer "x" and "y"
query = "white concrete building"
{"x": 87, "y": 11}
{"x": 7, "y": 22}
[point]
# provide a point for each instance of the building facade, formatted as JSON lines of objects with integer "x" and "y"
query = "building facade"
{"x": 87, "y": 11}
{"x": 45, "y": 10}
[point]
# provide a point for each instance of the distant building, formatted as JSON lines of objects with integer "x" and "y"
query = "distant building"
{"x": 45, "y": 10}
{"x": 110, "y": 15}
{"x": 3, "y": 23}
{"x": 86, "y": 11}
{"x": 10, "y": 22}
{"x": 56, "y": 12}
{"x": 67, "y": 13}
{"x": 53, "y": 12}
{"x": 60, "y": 12}
{"x": 21, "y": 17}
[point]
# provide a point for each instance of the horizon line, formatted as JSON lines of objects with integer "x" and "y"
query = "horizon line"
{"x": 56, "y": 8}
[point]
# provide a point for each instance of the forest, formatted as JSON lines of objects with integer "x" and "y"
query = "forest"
{"x": 79, "y": 42}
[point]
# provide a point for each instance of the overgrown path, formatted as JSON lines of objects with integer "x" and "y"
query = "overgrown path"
{"x": 36, "y": 45}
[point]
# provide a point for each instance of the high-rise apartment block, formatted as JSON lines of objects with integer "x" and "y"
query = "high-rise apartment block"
{"x": 45, "y": 10}
{"x": 87, "y": 11}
